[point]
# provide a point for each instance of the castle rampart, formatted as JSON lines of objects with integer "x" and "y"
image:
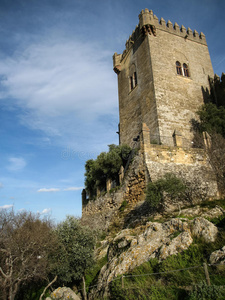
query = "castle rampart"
{"x": 161, "y": 75}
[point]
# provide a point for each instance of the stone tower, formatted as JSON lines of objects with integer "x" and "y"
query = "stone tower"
{"x": 162, "y": 76}
{"x": 163, "y": 79}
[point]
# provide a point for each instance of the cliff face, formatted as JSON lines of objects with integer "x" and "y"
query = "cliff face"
{"x": 132, "y": 247}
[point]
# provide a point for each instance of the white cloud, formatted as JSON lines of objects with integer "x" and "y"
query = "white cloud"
{"x": 16, "y": 164}
{"x": 44, "y": 190}
{"x": 22, "y": 209}
{"x": 73, "y": 188}
{"x": 46, "y": 211}
{"x": 60, "y": 83}
{"x": 7, "y": 206}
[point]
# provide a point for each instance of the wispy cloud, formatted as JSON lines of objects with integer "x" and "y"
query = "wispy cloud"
{"x": 50, "y": 190}
{"x": 16, "y": 164}
{"x": 7, "y": 206}
{"x": 73, "y": 188}
{"x": 60, "y": 83}
{"x": 46, "y": 211}
{"x": 1, "y": 185}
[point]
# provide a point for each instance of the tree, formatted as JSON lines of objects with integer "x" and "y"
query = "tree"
{"x": 26, "y": 241}
{"x": 212, "y": 119}
{"x": 106, "y": 166}
{"x": 76, "y": 255}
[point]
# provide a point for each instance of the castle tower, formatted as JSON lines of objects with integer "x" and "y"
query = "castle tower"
{"x": 162, "y": 76}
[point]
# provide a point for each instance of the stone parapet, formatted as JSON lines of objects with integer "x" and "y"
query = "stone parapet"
{"x": 149, "y": 24}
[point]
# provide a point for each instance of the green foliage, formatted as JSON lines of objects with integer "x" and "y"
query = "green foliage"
{"x": 143, "y": 284}
{"x": 123, "y": 205}
{"x": 106, "y": 166}
{"x": 92, "y": 273}
{"x": 212, "y": 119}
{"x": 204, "y": 292}
{"x": 76, "y": 252}
{"x": 169, "y": 185}
{"x": 32, "y": 291}
{"x": 26, "y": 243}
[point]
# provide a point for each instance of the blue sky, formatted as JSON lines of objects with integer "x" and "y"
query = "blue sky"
{"x": 58, "y": 92}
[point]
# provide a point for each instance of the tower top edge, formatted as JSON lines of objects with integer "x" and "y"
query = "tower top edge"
{"x": 147, "y": 17}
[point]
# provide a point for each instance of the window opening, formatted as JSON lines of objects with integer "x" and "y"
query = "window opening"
{"x": 133, "y": 81}
{"x": 178, "y": 67}
{"x": 185, "y": 69}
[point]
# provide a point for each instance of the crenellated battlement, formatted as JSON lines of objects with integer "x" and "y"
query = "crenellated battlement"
{"x": 147, "y": 18}
{"x": 149, "y": 24}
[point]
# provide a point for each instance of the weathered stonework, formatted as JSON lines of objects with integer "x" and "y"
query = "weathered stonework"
{"x": 132, "y": 247}
{"x": 191, "y": 164}
{"x": 161, "y": 98}
{"x": 100, "y": 213}
{"x": 157, "y": 106}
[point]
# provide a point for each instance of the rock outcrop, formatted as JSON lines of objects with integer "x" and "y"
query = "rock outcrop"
{"x": 218, "y": 257}
{"x": 132, "y": 247}
{"x": 205, "y": 229}
{"x": 63, "y": 293}
{"x": 204, "y": 212}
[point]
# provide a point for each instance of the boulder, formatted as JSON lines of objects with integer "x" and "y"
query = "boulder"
{"x": 64, "y": 293}
{"x": 205, "y": 229}
{"x": 218, "y": 257}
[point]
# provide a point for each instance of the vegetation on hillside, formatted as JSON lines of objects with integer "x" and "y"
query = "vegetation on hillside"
{"x": 169, "y": 185}
{"x": 158, "y": 280}
{"x": 33, "y": 252}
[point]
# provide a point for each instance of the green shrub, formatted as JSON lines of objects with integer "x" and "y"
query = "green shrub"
{"x": 92, "y": 273}
{"x": 170, "y": 185}
{"x": 105, "y": 166}
{"x": 204, "y": 292}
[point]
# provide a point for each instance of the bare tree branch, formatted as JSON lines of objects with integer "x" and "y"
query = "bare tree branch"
{"x": 47, "y": 287}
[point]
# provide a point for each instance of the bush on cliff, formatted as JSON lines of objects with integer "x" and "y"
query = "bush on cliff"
{"x": 169, "y": 185}
{"x": 106, "y": 166}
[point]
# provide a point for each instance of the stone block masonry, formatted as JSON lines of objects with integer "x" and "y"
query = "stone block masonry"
{"x": 100, "y": 213}
{"x": 163, "y": 74}
{"x": 171, "y": 67}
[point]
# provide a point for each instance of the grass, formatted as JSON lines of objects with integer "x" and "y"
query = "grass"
{"x": 91, "y": 275}
{"x": 188, "y": 284}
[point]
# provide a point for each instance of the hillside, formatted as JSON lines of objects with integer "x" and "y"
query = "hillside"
{"x": 140, "y": 261}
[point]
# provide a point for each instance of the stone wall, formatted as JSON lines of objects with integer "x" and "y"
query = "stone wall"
{"x": 151, "y": 163}
{"x": 100, "y": 213}
{"x": 190, "y": 164}
{"x": 162, "y": 99}
{"x": 156, "y": 101}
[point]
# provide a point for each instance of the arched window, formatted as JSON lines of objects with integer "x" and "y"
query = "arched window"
{"x": 185, "y": 69}
{"x": 178, "y": 67}
{"x": 133, "y": 81}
